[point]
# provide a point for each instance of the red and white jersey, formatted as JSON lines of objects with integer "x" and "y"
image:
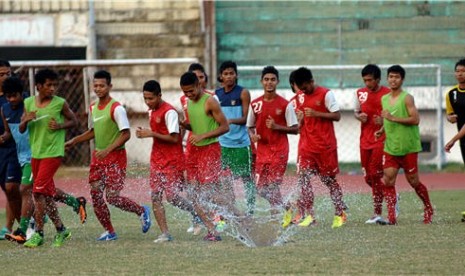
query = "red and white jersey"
{"x": 369, "y": 102}
{"x": 165, "y": 156}
{"x": 317, "y": 134}
{"x": 271, "y": 141}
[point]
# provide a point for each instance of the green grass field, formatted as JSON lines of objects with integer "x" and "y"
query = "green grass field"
{"x": 356, "y": 248}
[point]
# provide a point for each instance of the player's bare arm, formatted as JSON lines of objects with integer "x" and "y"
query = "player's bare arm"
{"x": 25, "y": 119}
{"x": 147, "y": 133}
{"x": 254, "y": 137}
{"x": 123, "y": 137}
{"x": 412, "y": 119}
{"x": 7, "y": 133}
{"x": 333, "y": 116}
{"x": 245, "y": 98}
{"x": 86, "y": 136}
{"x": 454, "y": 139}
{"x": 270, "y": 123}
{"x": 70, "y": 119}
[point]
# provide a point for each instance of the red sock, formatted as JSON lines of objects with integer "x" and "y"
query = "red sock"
{"x": 391, "y": 200}
{"x": 422, "y": 193}
{"x": 377, "y": 191}
{"x": 101, "y": 210}
{"x": 306, "y": 200}
{"x": 125, "y": 204}
{"x": 335, "y": 192}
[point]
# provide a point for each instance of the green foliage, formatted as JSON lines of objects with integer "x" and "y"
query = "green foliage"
{"x": 356, "y": 248}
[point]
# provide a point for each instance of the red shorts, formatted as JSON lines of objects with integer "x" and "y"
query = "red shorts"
{"x": 169, "y": 182}
{"x": 43, "y": 171}
{"x": 372, "y": 161}
{"x": 203, "y": 164}
{"x": 408, "y": 162}
{"x": 110, "y": 171}
{"x": 269, "y": 173}
{"x": 325, "y": 164}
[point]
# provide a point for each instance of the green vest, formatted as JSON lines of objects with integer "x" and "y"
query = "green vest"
{"x": 105, "y": 128}
{"x": 201, "y": 122}
{"x": 401, "y": 139}
{"x": 46, "y": 143}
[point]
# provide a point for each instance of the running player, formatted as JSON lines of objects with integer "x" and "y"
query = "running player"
{"x": 270, "y": 118}
{"x": 455, "y": 102}
{"x": 235, "y": 144}
{"x": 368, "y": 112}
{"x": 167, "y": 158}
{"x": 46, "y": 117}
{"x": 317, "y": 145}
{"x": 206, "y": 123}
{"x": 402, "y": 144}
{"x": 110, "y": 129}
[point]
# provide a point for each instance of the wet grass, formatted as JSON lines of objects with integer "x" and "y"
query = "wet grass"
{"x": 356, "y": 248}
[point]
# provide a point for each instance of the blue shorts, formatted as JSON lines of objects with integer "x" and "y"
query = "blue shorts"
{"x": 10, "y": 169}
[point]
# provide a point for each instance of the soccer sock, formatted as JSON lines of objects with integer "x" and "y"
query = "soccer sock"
{"x": 101, "y": 210}
{"x": 60, "y": 228}
{"x": 391, "y": 200}
{"x": 422, "y": 193}
{"x": 307, "y": 198}
{"x": 250, "y": 191}
{"x": 125, "y": 204}
{"x": 335, "y": 192}
{"x": 23, "y": 224}
{"x": 377, "y": 191}
{"x": 71, "y": 201}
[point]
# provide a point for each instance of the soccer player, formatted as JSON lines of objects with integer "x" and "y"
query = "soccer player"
{"x": 11, "y": 113}
{"x": 270, "y": 118}
{"x": 317, "y": 145}
{"x": 449, "y": 146}
{"x": 10, "y": 171}
{"x": 46, "y": 117}
{"x": 455, "y": 102}
{"x": 199, "y": 71}
{"x": 368, "y": 112}
{"x": 235, "y": 144}
{"x": 110, "y": 130}
{"x": 206, "y": 123}
{"x": 167, "y": 158}
{"x": 402, "y": 144}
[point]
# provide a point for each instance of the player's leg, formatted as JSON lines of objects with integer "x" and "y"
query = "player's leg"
{"x": 77, "y": 203}
{"x": 27, "y": 206}
{"x": 390, "y": 170}
{"x": 374, "y": 172}
{"x": 116, "y": 163}
{"x": 411, "y": 174}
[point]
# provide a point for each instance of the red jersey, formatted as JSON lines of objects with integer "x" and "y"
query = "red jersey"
{"x": 369, "y": 102}
{"x": 271, "y": 142}
{"x": 316, "y": 134}
{"x": 165, "y": 156}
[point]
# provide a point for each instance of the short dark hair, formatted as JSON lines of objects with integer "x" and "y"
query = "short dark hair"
{"x": 152, "y": 86}
{"x": 4, "y": 63}
{"x": 228, "y": 64}
{"x": 12, "y": 85}
{"x": 371, "y": 69}
{"x": 188, "y": 78}
{"x": 102, "y": 74}
{"x": 302, "y": 75}
{"x": 197, "y": 66}
{"x": 461, "y": 62}
{"x": 292, "y": 80}
{"x": 45, "y": 74}
{"x": 397, "y": 69}
{"x": 270, "y": 70}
